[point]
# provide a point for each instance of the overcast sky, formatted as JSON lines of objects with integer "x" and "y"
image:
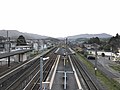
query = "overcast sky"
{"x": 61, "y": 18}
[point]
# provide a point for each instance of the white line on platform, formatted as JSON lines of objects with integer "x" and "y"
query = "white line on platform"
{"x": 52, "y": 79}
{"x": 52, "y": 69}
{"x": 76, "y": 77}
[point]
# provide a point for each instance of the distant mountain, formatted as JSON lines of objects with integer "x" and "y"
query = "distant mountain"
{"x": 102, "y": 35}
{"x": 15, "y": 34}
{"x": 52, "y": 39}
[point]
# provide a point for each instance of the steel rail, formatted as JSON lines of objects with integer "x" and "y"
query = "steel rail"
{"x": 34, "y": 83}
{"x": 46, "y": 70}
{"x": 19, "y": 78}
{"x": 86, "y": 77}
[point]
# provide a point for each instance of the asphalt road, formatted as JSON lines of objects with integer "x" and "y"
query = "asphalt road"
{"x": 103, "y": 64}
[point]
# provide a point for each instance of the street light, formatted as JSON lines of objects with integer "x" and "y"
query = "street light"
{"x": 41, "y": 69}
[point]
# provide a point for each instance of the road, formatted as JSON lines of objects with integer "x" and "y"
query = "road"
{"x": 103, "y": 64}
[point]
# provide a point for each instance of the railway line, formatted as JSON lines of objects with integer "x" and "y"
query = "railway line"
{"x": 46, "y": 69}
{"x": 5, "y": 85}
{"x": 27, "y": 76}
{"x": 23, "y": 75}
{"x": 90, "y": 84}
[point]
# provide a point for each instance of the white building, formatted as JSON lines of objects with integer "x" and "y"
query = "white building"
{"x": 108, "y": 54}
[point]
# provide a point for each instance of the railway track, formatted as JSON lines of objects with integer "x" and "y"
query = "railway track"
{"x": 89, "y": 83}
{"x": 46, "y": 69}
{"x": 10, "y": 81}
{"x": 19, "y": 80}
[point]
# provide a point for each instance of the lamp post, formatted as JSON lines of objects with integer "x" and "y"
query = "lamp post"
{"x": 41, "y": 70}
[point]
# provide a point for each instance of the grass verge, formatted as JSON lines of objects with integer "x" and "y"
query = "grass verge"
{"x": 115, "y": 67}
{"x": 111, "y": 84}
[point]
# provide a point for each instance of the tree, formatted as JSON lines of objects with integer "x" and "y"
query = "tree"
{"x": 115, "y": 42}
{"x": 21, "y": 41}
{"x": 94, "y": 40}
{"x": 106, "y": 47}
{"x": 2, "y": 38}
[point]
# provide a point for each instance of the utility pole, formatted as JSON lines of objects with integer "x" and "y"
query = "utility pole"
{"x": 95, "y": 59}
{"x": 41, "y": 72}
{"x": 111, "y": 52}
{"x": 8, "y": 48}
{"x": 38, "y": 45}
{"x": 43, "y": 45}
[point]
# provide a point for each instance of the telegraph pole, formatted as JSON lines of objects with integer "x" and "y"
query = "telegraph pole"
{"x": 8, "y": 48}
{"x": 111, "y": 52}
{"x": 41, "y": 72}
{"x": 38, "y": 45}
{"x": 95, "y": 59}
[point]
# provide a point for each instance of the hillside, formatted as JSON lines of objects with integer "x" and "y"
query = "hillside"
{"x": 15, "y": 34}
{"x": 102, "y": 35}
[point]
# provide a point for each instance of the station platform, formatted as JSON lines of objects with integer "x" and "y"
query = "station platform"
{"x": 58, "y": 83}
